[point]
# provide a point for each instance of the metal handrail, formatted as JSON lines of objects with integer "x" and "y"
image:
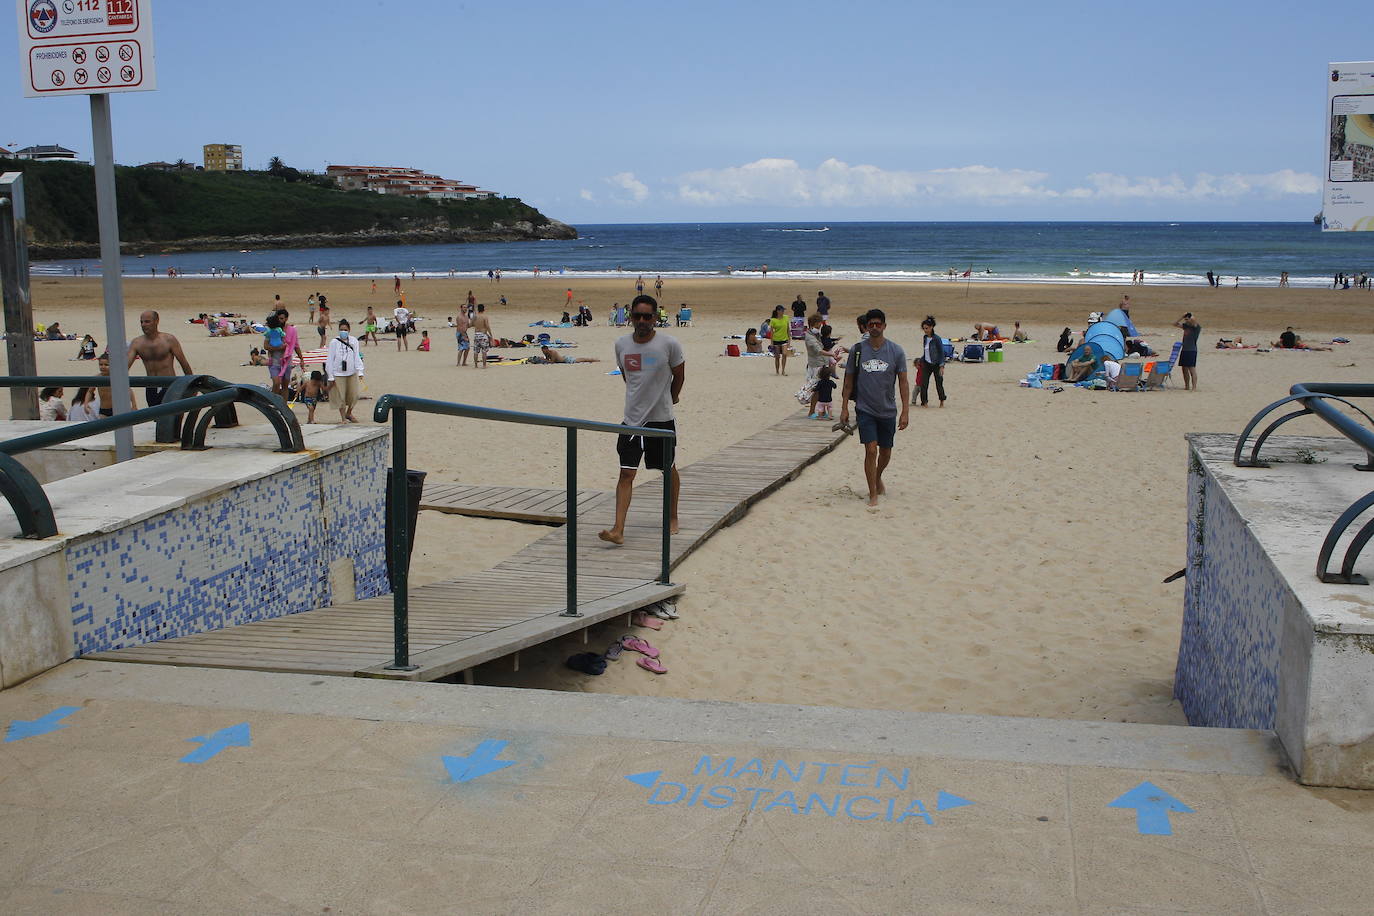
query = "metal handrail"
{"x": 398, "y": 519}
{"x": 186, "y": 394}
{"x": 1316, "y": 398}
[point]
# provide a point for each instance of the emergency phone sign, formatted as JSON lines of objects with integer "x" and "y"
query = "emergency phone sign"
{"x": 79, "y": 47}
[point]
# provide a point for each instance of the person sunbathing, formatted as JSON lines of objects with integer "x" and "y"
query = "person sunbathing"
{"x": 1237, "y": 344}
{"x": 1291, "y": 341}
{"x": 752, "y": 343}
{"x": 554, "y": 356}
{"x": 982, "y": 331}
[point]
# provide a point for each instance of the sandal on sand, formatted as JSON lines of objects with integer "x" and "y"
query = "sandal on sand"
{"x": 613, "y": 651}
{"x": 652, "y": 664}
{"x": 641, "y": 619}
{"x": 664, "y": 610}
{"x": 635, "y": 644}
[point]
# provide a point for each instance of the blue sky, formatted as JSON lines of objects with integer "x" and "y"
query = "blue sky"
{"x": 600, "y": 112}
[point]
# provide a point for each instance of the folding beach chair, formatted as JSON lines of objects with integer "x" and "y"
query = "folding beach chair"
{"x": 1159, "y": 375}
{"x": 974, "y": 353}
{"x": 1131, "y": 377}
{"x": 684, "y": 317}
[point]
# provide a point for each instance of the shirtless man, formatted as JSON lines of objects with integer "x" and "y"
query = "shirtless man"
{"x": 481, "y": 337}
{"x": 157, "y": 349}
{"x": 460, "y": 331}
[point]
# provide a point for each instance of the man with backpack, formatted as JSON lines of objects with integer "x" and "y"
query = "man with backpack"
{"x": 875, "y": 365}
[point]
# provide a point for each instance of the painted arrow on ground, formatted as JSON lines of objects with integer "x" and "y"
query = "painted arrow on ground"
{"x": 646, "y": 780}
{"x": 479, "y": 763}
{"x": 20, "y": 729}
{"x": 947, "y": 800}
{"x": 212, "y": 744}
{"x": 1152, "y": 806}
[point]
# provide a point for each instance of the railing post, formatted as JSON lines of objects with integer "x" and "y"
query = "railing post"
{"x": 571, "y": 609}
{"x": 397, "y": 526}
{"x": 667, "y": 507}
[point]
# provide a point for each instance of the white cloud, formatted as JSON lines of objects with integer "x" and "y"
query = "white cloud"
{"x": 784, "y": 182}
{"x": 586, "y": 195}
{"x": 628, "y": 186}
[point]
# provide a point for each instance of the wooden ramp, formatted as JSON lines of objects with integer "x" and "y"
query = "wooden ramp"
{"x": 521, "y": 504}
{"x": 463, "y": 622}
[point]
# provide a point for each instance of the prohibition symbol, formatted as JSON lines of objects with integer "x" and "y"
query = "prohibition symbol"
{"x": 126, "y": 74}
{"x": 103, "y": 74}
{"x": 79, "y": 56}
{"x": 126, "y": 52}
{"x": 102, "y": 54}
{"x": 58, "y": 78}
{"x": 80, "y": 75}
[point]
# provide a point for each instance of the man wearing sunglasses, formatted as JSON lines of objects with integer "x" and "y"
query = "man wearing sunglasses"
{"x": 653, "y": 367}
{"x": 874, "y": 365}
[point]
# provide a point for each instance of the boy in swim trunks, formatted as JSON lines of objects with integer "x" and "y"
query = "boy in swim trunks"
{"x": 310, "y": 393}
{"x": 481, "y": 337}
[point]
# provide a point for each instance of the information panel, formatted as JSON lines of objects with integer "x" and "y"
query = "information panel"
{"x": 1348, "y": 185}
{"x": 79, "y": 47}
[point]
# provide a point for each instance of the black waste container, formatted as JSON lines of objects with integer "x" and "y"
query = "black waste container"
{"x": 415, "y": 486}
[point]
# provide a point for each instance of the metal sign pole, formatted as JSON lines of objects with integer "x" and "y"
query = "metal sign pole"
{"x": 14, "y": 274}
{"x": 111, "y": 277}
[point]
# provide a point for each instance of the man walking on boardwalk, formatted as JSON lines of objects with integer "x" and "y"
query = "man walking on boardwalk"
{"x": 874, "y": 365}
{"x": 158, "y": 350}
{"x": 653, "y": 367}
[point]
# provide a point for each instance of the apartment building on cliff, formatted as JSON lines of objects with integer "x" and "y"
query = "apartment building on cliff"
{"x": 402, "y": 182}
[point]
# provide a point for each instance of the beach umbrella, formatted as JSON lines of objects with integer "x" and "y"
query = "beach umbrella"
{"x": 1108, "y": 339}
{"x": 1119, "y": 318}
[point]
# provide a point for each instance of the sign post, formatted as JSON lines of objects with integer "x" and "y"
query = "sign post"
{"x": 94, "y": 47}
{"x": 14, "y": 274}
{"x": 1348, "y": 183}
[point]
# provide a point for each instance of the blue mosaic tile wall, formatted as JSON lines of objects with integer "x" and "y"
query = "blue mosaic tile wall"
{"x": 1228, "y": 654}
{"x": 259, "y": 551}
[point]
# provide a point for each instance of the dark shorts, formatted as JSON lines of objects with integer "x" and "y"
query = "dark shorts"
{"x": 155, "y": 395}
{"x": 777, "y": 348}
{"x": 876, "y": 429}
{"x": 402, "y": 330}
{"x": 656, "y": 453}
{"x": 1187, "y": 359}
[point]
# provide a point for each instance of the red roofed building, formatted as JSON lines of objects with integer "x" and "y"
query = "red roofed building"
{"x": 402, "y": 182}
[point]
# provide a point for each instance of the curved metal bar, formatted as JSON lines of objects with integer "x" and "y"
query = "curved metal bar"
{"x": 1354, "y": 511}
{"x": 1303, "y": 395}
{"x": 26, "y": 497}
{"x": 184, "y": 386}
{"x": 1253, "y": 460}
{"x": 1352, "y": 553}
{"x": 283, "y": 421}
{"x": 196, "y": 433}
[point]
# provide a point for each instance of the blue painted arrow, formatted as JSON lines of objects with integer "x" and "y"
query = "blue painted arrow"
{"x": 945, "y": 801}
{"x": 1152, "y": 806}
{"x": 212, "y": 744}
{"x": 20, "y": 729}
{"x": 479, "y": 763}
{"x": 645, "y": 779}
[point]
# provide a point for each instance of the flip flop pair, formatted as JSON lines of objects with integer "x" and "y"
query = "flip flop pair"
{"x": 643, "y": 619}
{"x": 652, "y": 664}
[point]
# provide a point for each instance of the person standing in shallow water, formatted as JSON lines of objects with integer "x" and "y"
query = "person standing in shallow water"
{"x": 875, "y": 365}
{"x": 654, "y": 369}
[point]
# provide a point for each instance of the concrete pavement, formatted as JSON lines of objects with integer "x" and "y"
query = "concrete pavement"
{"x": 152, "y": 789}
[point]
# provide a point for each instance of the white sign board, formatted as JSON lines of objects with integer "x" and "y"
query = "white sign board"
{"x": 80, "y": 47}
{"x": 1348, "y": 188}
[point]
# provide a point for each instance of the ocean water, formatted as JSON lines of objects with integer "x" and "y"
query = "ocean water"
{"x": 1046, "y": 252}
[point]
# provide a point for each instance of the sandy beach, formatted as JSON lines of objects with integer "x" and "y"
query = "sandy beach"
{"x": 1014, "y": 568}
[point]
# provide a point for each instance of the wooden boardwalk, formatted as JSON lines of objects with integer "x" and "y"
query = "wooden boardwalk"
{"x": 521, "y": 504}
{"x": 463, "y": 622}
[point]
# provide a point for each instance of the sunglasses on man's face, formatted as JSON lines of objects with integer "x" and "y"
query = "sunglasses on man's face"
{"x": 640, "y": 316}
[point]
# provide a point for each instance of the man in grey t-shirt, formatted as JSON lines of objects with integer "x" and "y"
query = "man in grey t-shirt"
{"x": 874, "y": 365}
{"x": 654, "y": 368}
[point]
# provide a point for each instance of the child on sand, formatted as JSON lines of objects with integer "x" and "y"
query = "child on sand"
{"x": 311, "y": 389}
{"x": 424, "y": 342}
{"x": 822, "y": 396}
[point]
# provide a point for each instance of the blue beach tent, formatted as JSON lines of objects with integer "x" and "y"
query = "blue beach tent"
{"x": 1107, "y": 337}
{"x": 1095, "y": 350}
{"x": 1119, "y": 318}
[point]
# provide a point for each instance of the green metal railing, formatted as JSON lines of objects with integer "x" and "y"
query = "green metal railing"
{"x": 185, "y": 395}
{"x": 396, "y": 406}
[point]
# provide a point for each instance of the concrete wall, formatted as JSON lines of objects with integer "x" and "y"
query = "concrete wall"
{"x": 184, "y": 542}
{"x": 1265, "y": 644}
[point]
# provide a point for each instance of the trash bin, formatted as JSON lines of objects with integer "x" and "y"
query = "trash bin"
{"x": 415, "y": 486}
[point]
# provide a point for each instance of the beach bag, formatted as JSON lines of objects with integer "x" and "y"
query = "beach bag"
{"x": 732, "y": 349}
{"x": 804, "y": 393}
